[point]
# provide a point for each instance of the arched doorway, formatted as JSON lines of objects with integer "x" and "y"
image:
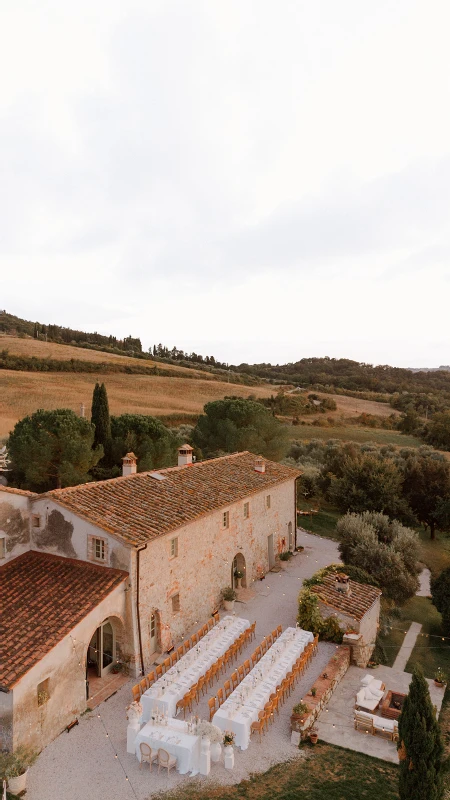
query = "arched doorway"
{"x": 290, "y": 537}
{"x": 101, "y": 653}
{"x": 238, "y": 566}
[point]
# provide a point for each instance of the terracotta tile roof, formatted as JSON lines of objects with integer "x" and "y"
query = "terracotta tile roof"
{"x": 12, "y": 490}
{"x": 42, "y": 598}
{"x": 145, "y": 505}
{"x": 356, "y": 604}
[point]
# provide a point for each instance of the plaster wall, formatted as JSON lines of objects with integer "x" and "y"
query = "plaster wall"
{"x": 65, "y": 668}
{"x": 6, "y": 720}
{"x": 14, "y": 524}
{"x": 367, "y": 626}
{"x": 65, "y": 534}
{"x": 203, "y": 566}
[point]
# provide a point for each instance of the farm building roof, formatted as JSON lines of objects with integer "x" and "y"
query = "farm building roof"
{"x": 356, "y": 604}
{"x": 140, "y": 507}
{"x": 43, "y": 597}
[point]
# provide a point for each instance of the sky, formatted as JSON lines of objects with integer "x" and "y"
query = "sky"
{"x": 250, "y": 179}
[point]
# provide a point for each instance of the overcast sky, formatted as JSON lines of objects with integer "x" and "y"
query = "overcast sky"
{"x": 259, "y": 180}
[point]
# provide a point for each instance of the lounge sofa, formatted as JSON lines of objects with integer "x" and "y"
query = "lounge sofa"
{"x": 368, "y": 698}
{"x": 377, "y": 726}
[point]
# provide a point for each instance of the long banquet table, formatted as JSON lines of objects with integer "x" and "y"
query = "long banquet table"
{"x": 242, "y": 706}
{"x": 174, "y": 738}
{"x": 165, "y": 693}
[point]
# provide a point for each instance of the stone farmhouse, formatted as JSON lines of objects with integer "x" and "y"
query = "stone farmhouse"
{"x": 119, "y": 570}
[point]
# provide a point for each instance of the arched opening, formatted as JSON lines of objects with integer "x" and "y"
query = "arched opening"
{"x": 238, "y": 572}
{"x": 103, "y": 660}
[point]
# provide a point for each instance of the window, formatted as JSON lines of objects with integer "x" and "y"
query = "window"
{"x": 97, "y": 549}
{"x": 226, "y": 519}
{"x": 174, "y": 548}
{"x": 43, "y": 693}
{"x": 36, "y": 519}
{"x": 268, "y": 501}
{"x": 2, "y": 547}
{"x": 175, "y": 603}
{"x": 246, "y": 510}
{"x": 153, "y": 626}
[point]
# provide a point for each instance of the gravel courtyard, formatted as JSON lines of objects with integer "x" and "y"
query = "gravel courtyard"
{"x": 82, "y": 763}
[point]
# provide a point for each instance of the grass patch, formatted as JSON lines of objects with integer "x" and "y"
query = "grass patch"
{"x": 323, "y": 523}
{"x": 354, "y": 433}
{"x": 429, "y": 652}
{"x": 329, "y": 773}
{"x": 391, "y": 644}
{"x": 434, "y": 553}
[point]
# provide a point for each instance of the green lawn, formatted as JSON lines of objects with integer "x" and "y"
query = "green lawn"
{"x": 435, "y": 553}
{"x": 330, "y": 773}
{"x": 323, "y": 523}
{"x": 353, "y": 433}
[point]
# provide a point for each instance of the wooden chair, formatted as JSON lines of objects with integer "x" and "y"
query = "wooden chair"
{"x": 186, "y": 646}
{"x": 204, "y": 630}
{"x": 316, "y": 643}
{"x": 291, "y": 683}
{"x": 361, "y": 721}
{"x": 194, "y": 640}
{"x": 173, "y": 658}
{"x": 136, "y": 692}
{"x": 259, "y": 726}
{"x": 201, "y": 685}
{"x": 254, "y": 660}
{"x": 275, "y": 700}
{"x": 212, "y": 707}
{"x": 247, "y": 666}
{"x": 209, "y": 677}
{"x": 159, "y": 671}
{"x": 253, "y": 631}
{"x": 180, "y": 651}
{"x": 210, "y": 623}
{"x": 221, "y": 665}
{"x": 143, "y": 685}
{"x": 268, "y": 708}
{"x": 279, "y": 630}
{"x": 233, "y": 652}
{"x": 181, "y": 706}
{"x": 216, "y": 619}
{"x": 194, "y": 692}
{"x": 234, "y": 680}
{"x": 220, "y": 697}
{"x": 215, "y": 671}
{"x": 227, "y": 688}
{"x": 148, "y": 756}
{"x": 167, "y": 664}
{"x": 150, "y": 679}
{"x": 269, "y": 640}
{"x": 258, "y": 652}
{"x": 165, "y": 759}
{"x": 274, "y": 634}
{"x": 241, "y": 673}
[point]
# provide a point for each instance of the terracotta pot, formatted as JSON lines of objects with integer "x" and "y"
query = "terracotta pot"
{"x": 439, "y": 683}
{"x": 313, "y": 737}
{"x": 18, "y": 784}
{"x": 229, "y": 605}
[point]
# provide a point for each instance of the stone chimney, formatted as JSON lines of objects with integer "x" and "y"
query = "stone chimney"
{"x": 82, "y": 410}
{"x": 260, "y": 464}
{"x": 343, "y": 583}
{"x": 185, "y": 455}
{"x": 129, "y": 464}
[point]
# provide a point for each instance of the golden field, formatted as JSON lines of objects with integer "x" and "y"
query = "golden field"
{"x": 64, "y": 352}
{"x": 21, "y": 393}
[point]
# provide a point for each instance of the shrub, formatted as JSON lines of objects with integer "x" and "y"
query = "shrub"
{"x": 228, "y": 593}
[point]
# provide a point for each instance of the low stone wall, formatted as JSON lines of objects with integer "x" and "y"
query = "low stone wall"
{"x": 335, "y": 669}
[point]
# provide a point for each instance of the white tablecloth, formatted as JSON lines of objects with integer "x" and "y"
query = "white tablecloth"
{"x": 176, "y": 740}
{"x": 168, "y": 690}
{"x": 242, "y": 707}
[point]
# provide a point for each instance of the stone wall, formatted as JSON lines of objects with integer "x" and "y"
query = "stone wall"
{"x": 335, "y": 670}
{"x": 14, "y": 523}
{"x": 203, "y": 566}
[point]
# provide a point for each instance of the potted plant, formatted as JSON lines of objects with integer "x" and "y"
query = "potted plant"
{"x": 440, "y": 677}
{"x": 228, "y": 739}
{"x": 298, "y": 715}
{"x": 313, "y": 736}
{"x": 238, "y": 575}
{"x": 228, "y": 597}
{"x": 313, "y": 691}
{"x": 14, "y": 768}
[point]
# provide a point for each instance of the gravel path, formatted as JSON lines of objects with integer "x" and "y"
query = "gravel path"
{"x": 82, "y": 763}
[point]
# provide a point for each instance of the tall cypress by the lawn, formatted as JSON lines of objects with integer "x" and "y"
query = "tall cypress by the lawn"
{"x": 420, "y": 745}
{"x": 101, "y": 419}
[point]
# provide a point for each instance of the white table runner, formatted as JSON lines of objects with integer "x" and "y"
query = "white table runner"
{"x": 242, "y": 707}
{"x": 165, "y": 693}
{"x": 176, "y": 740}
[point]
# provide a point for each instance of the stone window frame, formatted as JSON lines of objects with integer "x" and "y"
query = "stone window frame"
{"x": 246, "y": 510}
{"x": 174, "y": 547}
{"x": 43, "y": 692}
{"x": 92, "y": 547}
{"x": 2, "y": 547}
{"x": 176, "y": 605}
{"x": 268, "y": 502}
{"x": 36, "y": 521}
{"x": 225, "y": 520}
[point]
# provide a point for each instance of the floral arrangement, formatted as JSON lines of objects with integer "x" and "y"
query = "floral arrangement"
{"x": 228, "y": 738}
{"x": 212, "y": 732}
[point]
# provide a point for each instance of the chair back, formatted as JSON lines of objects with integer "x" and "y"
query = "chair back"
{"x": 163, "y": 757}
{"x": 146, "y": 751}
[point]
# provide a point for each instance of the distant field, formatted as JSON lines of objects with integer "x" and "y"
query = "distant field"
{"x": 63, "y": 352}
{"x": 353, "y": 407}
{"x": 21, "y": 393}
{"x": 354, "y": 433}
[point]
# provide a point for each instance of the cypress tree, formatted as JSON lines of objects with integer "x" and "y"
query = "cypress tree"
{"x": 420, "y": 745}
{"x": 101, "y": 420}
